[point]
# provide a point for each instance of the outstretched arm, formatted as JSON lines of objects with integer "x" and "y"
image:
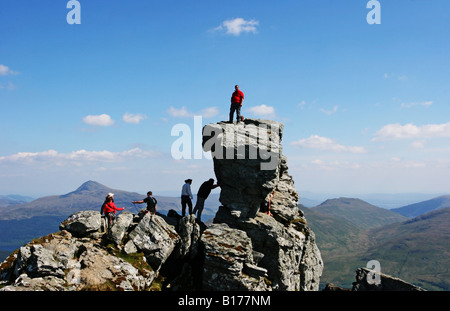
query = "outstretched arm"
{"x": 137, "y": 202}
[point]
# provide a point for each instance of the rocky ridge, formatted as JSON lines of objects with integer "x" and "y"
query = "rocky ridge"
{"x": 244, "y": 249}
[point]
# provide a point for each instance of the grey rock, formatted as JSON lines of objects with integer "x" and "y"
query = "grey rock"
{"x": 366, "y": 281}
{"x": 189, "y": 232}
{"x": 228, "y": 255}
{"x": 120, "y": 227}
{"x": 155, "y": 238}
{"x": 249, "y": 165}
{"x": 82, "y": 223}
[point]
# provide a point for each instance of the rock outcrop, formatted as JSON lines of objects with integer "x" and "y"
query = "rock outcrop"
{"x": 364, "y": 282}
{"x": 244, "y": 248}
{"x": 83, "y": 256}
{"x": 249, "y": 166}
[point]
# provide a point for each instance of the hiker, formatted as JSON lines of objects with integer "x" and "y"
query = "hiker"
{"x": 202, "y": 195}
{"x": 186, "y": 197}
{"x": 151, "y": 203}
{"x": 109, "y": 209}
{"x": 265, "y": 205}
{"x": 236, "y": 103}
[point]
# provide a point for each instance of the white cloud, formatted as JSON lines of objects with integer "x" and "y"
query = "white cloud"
{"x": 330, "y": 112}
{"x": 52, "y": 156}
{"x": 4, "y": 70}
{"x": 183, "y": 112}
{"x": 209, "y": 112}
{"x": 324, "y": 143}
{"x": 100, "y": 120}
{"x": 397, "y": 131}
{"x": 302, "y": 104}
{"x": 419, "y": 144}
{"x": 179, "y": 113}
{"x": 262, "y": 110}
{"x": 395, "y": 76}
{"x": 237, "y": 26}
{"x": 8, "y": 87}
{"x": 410, "y": 105}
{"x": 133, "y": 118}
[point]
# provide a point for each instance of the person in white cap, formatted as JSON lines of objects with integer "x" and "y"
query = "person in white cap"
{"x": 109, "y": 208}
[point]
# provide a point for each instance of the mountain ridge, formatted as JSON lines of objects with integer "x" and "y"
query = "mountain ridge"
{"x": 358, "y": 212}
{"x": 89, "y": 195}
{"x": 419, "y": 208}
{"x": 413, "y": 249}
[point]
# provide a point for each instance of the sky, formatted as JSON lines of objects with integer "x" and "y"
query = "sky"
{"x": 365, "y": 106}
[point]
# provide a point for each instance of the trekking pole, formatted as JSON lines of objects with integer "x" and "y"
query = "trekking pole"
{"x": 134, "y": 205}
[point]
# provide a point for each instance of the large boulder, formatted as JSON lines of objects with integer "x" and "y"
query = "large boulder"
{"x": 155, "y": 238}
{"x": 82, "y": 223}
{"x": 229, "y": 263}
{"x": 120, "y": 227}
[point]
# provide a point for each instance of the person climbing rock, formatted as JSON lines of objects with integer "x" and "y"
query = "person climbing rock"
{"x": 202, "y": 195}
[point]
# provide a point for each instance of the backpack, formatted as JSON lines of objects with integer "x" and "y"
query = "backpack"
{"x": 151, "y": 204}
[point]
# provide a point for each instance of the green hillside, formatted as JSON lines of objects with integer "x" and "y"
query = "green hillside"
{"x": 415, "y": 250}
{"x": 358, "y": 212}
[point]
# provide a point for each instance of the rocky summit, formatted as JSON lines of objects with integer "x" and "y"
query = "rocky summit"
{"x": 243, "y": 249}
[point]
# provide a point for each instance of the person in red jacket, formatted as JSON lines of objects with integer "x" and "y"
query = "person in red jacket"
{"x": 236, "y": 103}
{"x": 109, "y": 208}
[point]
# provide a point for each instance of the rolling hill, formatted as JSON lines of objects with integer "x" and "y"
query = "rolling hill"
{"x": 416, "y": 209}
{"x": 416, "y": 250}
{"x": 6, "y": 200}
{"x": 358, "y": 212}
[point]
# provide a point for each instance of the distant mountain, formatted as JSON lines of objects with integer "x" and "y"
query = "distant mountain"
{"x": 414, "y": 210}
{"x": 12, "y": 199}
{"x": 416, "y": 250}
{"x": 358, "y": 212}
{"x": 21, "y": 223}
{"x": 90, "y": 196}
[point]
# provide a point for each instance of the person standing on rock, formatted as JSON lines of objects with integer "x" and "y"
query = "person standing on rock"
{"x": 186, "y": 197}
{"x": 151, "y": 202}
{"x": 236, "y": 103}
{"x": 202, "y": 195}
{"x": 109, "y": 208}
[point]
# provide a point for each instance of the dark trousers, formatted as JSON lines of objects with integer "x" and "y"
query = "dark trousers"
{"x": 199, "y": 205}
{"x": 235, "y": 107}
{"x": 185, "y": 199}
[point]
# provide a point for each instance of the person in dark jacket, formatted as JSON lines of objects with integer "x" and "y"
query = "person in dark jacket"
{"x": 151, "y": 203}
{"x": 202, "y": 195}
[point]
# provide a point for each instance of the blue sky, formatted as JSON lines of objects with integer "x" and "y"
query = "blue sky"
{"x": 366, "y": 108}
